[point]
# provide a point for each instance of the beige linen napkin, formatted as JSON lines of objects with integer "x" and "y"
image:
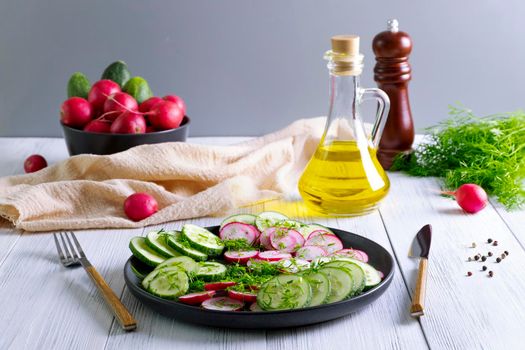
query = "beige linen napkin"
{"x": 188, "y": 180}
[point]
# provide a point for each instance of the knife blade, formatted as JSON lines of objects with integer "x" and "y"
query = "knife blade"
{"x": 421, "y": 248}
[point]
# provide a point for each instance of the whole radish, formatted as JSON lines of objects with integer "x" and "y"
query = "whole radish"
{"x": 139, "y": 206}
{"x": 99, "y": 94}
{"x": 34, "y": 163}
{"x": 165, "y": 115}
{"x": 470, "y": 197}
{"x": 149, "y": 129}
{"x": 129, "y": 123}
{"x": 97, "y": 125}
{"x": 75, "y": 112}
{"x": 147, "y": 105}
{"x": 178, "y": 100}
{"x": 120, "y": 102}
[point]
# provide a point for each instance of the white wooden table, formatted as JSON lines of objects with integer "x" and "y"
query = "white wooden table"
{"x": 45, "y": 306}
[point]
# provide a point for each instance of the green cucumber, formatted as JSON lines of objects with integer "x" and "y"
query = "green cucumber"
{"x": 117, "y": 72}
{"x": 156, "y": 240}
{"x": 358, "y": 274}
{"x": 140, "y": 269}
{"x": 320, "y": 287}
{"x": 177, "y": 242}
{"x": 169, "y": 284}
{"x": 202, "y": 239}
{"x": 138, "y": 88}
{"x": 372, "y": 276}
{"x": 78, "y": 86}
{"x": 141, "y": 251}
{"x": 151, "y": 276}
{"x": 306, "y": 230}
{"x": 269, "y": 219}
{"x": 211, "y": 271}
{"x": 244, "y": 218}
{"x": 184, "y": 262}
{"x": 341, "y": 283}
{"x": 284, "y": 292}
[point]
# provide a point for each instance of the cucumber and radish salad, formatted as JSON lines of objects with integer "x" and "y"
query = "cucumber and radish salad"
{"x": 260, "y": 263}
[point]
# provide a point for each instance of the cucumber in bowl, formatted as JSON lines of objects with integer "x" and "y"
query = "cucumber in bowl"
{"x": 202, "y": 239}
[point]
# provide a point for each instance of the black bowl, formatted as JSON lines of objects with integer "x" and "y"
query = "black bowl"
{"x": 379, "y": 257}
{"x": 79, "y": 141}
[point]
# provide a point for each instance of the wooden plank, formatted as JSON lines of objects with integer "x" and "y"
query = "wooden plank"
{"x": 461, "y": 312}
{"x": 514, "y": 219}
{"x": 388, "y": 316}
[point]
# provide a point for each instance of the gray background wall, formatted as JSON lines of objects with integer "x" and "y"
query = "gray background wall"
{"x": 249, "y": 67}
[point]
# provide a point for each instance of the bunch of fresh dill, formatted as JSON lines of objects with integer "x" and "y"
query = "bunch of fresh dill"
{"x": 487, "y": 151}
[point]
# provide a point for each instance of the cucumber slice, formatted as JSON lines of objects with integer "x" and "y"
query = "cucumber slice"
{"x": 169, "y": 284}
{"x": 372, "y": 276}
{"x": 284, "y": 292}
{"x": 320, "y": 287}
{"x": 211, "y": 271}
{"x": 244, "y": 218}
{"x": 306, "y": 230}
{"x": 292, "y": 224}
{"x": 202, "y": 239}
{"x": 341, "y": 283}
{"x": 184, "y": 247}
{"x": 268, "y": 219}
{"x": 140, "y": 269}
{"x": 141, "y": 251}
{"x": 358, "y": 274}
{"x": 156, "y": 240}
{"x": 184, "y": 262}
{"x": 153, "y": 274}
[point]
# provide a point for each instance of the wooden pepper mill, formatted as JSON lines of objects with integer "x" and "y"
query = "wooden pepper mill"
{"x": 392, "y": 74}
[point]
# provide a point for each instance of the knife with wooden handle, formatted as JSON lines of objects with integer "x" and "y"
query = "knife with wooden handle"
{"x": 420, "y": 249}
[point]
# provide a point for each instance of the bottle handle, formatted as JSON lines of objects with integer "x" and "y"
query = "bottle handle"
{"x": 382, "y": 111}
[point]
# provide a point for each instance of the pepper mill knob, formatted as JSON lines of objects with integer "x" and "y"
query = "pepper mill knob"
{"x": 392, "y": 73}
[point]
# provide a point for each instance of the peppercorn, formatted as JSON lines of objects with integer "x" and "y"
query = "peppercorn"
{"x": 489, "y": 253}
{"x": 489, "y": 240}
{"x": 473, "y": 245}
{"x": 469, "y": 273}
{"x": 484, "y": 268}
{"x": 506, "y": 252}
{"x": 495, "y": 243}
{"x": 483, "y": 258}
{"x": 503, "y": 256}
{"x": 491, "y": 273}
{"x": 469, "y": 258}
{"x": 476, "y": 257}
{"x": 498, "y": 260}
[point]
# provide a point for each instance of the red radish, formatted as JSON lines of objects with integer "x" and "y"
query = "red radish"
{"x": 293, "y": 265}
{"x": 310, "y": 252}
{"x": 75, "y": 112}
{"x": 331, "y": 243}
{"x": 196, "y": 298}
{"x": 120, "y": 102}
{"x": 34, "y": 163}
{"x": 353, "y": 253}
{"x": 242, "y": 296}
{"x": 381, "y": 274}
{"x": 241, "y": 257}
{"x": 470, "y": 197}
{"x": 165, "y": 115}
{"x": 239, "y": 230}
{"x": 219, "y": 285}
{"x": 99, "y": 93}
{"x": 318, "y": 232}
{"x": 274, "y": 255}
{"x": 147, "y": 105}
{"x": 149, "y": 129}
{"x": 223, "y": 304}
{"x": 139, "y": 206}
{"x": 98, "y": 125}
{"x": 179, "y": 101}
{"x": 264, "y": 238}
{"x": 254, "y": 307}
{"x": 286, "y": 240}
{"x": 129, "y": 123}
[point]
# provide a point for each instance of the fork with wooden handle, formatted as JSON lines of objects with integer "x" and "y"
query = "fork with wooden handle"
{"x": 72, "y": 255}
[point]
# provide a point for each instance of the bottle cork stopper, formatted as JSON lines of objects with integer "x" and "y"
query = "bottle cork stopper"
{"x": 345, "y": 44}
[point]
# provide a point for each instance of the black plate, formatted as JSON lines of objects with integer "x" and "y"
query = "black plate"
{"x": 379, "y": 257}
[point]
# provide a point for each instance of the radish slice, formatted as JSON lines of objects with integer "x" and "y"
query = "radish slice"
{"x": 240, "y": 257}
{"x": 353, "y": 253}
{"x": 381, "y": 274}
{"x": 242, "y": 296}
{"x": 264, "y": 238}
{"x": 239, "y": 230}
{"x": 310, "y": 252}
{"x": 223, "y": 304}
{"x": 330, "y": 243}
{"x": 293, "y": 265}
{"x": 273, "y": 255}
{"x": 219, "y": 285}
{"x": 254, "y": 307}
{"x": 286, "y": 240}
{"x": 319, "y": 232}
{"x": 196, "y": 298}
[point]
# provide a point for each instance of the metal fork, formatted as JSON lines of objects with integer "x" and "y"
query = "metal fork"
{"x": 71, "y": 254}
